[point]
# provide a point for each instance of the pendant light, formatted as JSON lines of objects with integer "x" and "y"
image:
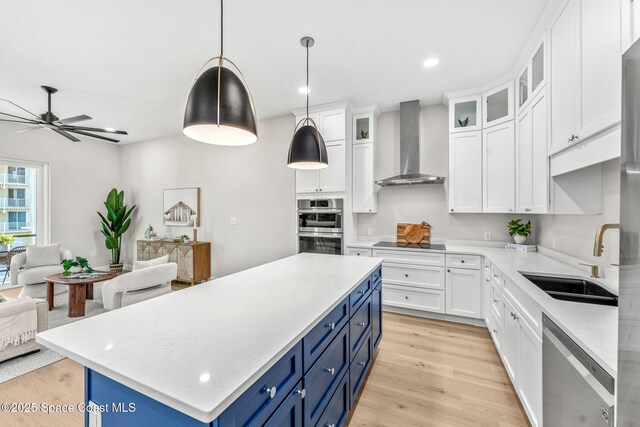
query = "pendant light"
{"x": 307, "y": 149}
{"x": 220, "y": 108}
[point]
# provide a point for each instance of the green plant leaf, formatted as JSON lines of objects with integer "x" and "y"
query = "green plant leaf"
{"x": 112, "y": 199}
{"x": 111, "y": 242}
{"x": 124, "y": 228}
{"x": 120, "y": 199}
{"x": 111, "y": 215}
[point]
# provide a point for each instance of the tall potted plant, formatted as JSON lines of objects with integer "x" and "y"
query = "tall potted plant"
{"x": 114, "y": 225}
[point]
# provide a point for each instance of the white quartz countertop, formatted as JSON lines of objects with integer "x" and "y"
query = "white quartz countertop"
{"x": 199, "y": 349}
{"x": 593, "y": 327}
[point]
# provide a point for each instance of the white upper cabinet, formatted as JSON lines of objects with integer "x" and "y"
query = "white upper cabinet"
{"x": 585, "y": 71}
{"x": 465, "y": 114}
{"x": 532, "y": 79}
{"x": 332, "y": 124}
{"x": 498, "y": 105}
{"x": 465, "y": 172}
{"x": 532, "y": 169}
{"x": 364, "y": 191}
{"x": 498, "y": 192}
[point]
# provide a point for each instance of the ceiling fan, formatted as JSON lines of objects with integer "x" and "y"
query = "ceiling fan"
{"x": 49, "y": 120}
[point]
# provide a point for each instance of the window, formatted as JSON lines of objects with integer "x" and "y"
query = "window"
{"x": 21, "y": 197}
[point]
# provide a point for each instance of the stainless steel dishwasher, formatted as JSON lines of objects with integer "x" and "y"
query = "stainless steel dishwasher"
{"x": 576, "y": 390}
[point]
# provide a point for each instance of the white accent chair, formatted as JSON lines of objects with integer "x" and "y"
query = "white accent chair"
{"x": 32, "y": 279}
{"x": 139, "y": 285}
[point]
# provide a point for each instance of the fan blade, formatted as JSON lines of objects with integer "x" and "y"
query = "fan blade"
{"x": 21, "y": 118}
{"x": 85, "y": 128}
{"x": 20, "y": 121}
{"x": 79, "y": 132}
{"x": 23, "y": 109}
{"x": 65, "y": 134}
{"x": 75, "y": 119}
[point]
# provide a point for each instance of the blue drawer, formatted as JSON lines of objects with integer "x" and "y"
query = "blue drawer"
{"x": 314, "y": 343}
{"x": 257, "y": 404}
{"x": 337, "y": 409}
{"x": 376, "y": 315}
{"x": 359, "y": 294}
{"x": 376, "y": 276}
{"x": 359, "y": 326}
{"x": 324, "y": 376}
{"x": 360, "y": 366}
{"x": 289, "y": 414}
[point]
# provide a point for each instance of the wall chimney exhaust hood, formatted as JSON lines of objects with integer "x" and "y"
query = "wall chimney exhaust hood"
{"x": 410, "y": 150}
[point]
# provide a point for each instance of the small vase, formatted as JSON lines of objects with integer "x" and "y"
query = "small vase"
{"x": 519, "y": 239}
{"x": 116, "y": 267}
{"x": 75, "y": 269}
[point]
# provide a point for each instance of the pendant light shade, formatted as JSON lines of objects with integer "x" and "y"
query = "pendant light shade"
{"x": 307, "y": 149}
{"x": 220, "y": 108}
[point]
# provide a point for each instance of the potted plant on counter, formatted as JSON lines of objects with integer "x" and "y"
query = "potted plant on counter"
{"x": 5, "y": 242}
{"x": 519, "y": 231}
{"x": 114, "y": 225}
{"x": 77, "y": 265}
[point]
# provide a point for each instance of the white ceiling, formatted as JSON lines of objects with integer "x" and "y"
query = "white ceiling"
{"x": 129, "y": 64}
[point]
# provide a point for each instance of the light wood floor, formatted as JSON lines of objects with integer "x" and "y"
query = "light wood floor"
{"x": 427, "y": 373}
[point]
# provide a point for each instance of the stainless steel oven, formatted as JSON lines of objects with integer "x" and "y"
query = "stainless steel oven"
{"x": 320, "y": 226}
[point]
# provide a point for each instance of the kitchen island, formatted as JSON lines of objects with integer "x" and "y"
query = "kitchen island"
{"x": 285, "y": 343}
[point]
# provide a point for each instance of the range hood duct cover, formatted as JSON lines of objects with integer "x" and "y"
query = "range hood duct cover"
{"x": 410, "y": 150}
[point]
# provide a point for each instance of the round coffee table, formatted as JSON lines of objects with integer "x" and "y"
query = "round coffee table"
{"x": 79, "y": 290}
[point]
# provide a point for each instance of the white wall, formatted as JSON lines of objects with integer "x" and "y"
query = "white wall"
{"x": 426, "y": 202}
{"x": 81, "y": 175}
{"x": 250, "y": 183}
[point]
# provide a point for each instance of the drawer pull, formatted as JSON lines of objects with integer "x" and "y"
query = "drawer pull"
{"x": 361, "y": 292}
{"x": 329, "y": 425}
{"x": 331, "y": 325}
{"x": 362, "y": 363}
{"x": 332, "y": 371}
{"x": 271, "y": 391}
{"x": 462, "y": 261}
{"x": 495, "y": 331}
{"x": 406, "y": 275}
{"x": 406, "y": 297}
{"x": 363, "y": 324}
{"x": 302, "y": 393}
{"x": 495, "y": 300}
{"x": 358, "y": 253}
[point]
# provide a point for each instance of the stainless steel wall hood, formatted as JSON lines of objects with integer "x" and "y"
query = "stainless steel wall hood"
{"x": 410, "y": 150}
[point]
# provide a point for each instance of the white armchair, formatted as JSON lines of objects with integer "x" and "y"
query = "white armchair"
{"x": 32, "y": 279}
{"x": 139, "y": 285}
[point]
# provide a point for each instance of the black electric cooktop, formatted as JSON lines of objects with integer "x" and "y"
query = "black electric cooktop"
{"x": 432, "y": 247}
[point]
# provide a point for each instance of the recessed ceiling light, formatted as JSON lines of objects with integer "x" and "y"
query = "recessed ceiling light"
{"x": 431, "y": 62}
{"x": 304, "y": 90}
{"x": 204, "y": 377}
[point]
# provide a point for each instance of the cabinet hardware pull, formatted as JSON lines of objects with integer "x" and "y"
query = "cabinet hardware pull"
{"x": 362, "y": 363}
{"x": 462, "y": 261}
{"x": 495, "y": 300}
{"x": 302, "y": 393}
{"x": 330, "y": 370}
{"x": 448, "y": 271}
{"x": 363, "y": 324}
{"x": 271, "y": 391}
{"x": 406, "y": 275}
{"x": 329, "y": 425}
{"x": 406, "y": 297}
{"x": 495, "y": 331}
{"x": 361, "y": 292}
{"x": 330, "y": 325}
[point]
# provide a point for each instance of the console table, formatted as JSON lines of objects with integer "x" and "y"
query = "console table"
{"x": 193, "y": 258}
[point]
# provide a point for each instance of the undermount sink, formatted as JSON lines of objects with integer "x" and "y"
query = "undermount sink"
{"x": 572, "y": 289}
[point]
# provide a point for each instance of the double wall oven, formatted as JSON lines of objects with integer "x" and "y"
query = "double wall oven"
{"x": 320, "y": 226}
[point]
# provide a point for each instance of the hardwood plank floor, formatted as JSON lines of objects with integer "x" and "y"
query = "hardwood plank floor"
{"x": 426, "y": 373}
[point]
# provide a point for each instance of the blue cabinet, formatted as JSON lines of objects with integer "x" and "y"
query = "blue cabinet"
{"x": 360, "y": 367}
{"x": 322, "y": 379}
{"x": 337, "y": 410}
{"x": 314, "y": 343}
{"x": 359, "y": 294}
{"x": 376, "y": 315}
{"x": 360, "y": 325}
{"x": 257, "y": 404}
{"x": 289, "y": 414}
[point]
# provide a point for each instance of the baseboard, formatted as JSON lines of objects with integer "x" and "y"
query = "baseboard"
{"x": 435, "y": 316}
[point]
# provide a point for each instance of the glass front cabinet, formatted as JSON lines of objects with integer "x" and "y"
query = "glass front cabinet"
{"x": 498, "y": 105}
{"x": 465, "y": 114}
{"x": 532, "y": 79}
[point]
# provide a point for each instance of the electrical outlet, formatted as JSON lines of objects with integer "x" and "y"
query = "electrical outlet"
{"x": 94, "y": 254}
{"x": 370, "y": 231}
{"x": 487, "y": 235}
{"x": 234, "y": 220}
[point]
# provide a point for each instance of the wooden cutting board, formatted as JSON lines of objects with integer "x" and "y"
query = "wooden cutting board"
{"x": 413, "y": 233}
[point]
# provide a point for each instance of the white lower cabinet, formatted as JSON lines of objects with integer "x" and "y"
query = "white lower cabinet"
{"x": 419, "y": 276}
{"x": 464, "y": 292}
{"x": 358, "y": 252}
{"x": 412, "y": 298}
{"x": 511, "y": 343}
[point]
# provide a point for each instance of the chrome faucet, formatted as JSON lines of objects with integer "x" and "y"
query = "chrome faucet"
{"x": 597, "y": 245}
